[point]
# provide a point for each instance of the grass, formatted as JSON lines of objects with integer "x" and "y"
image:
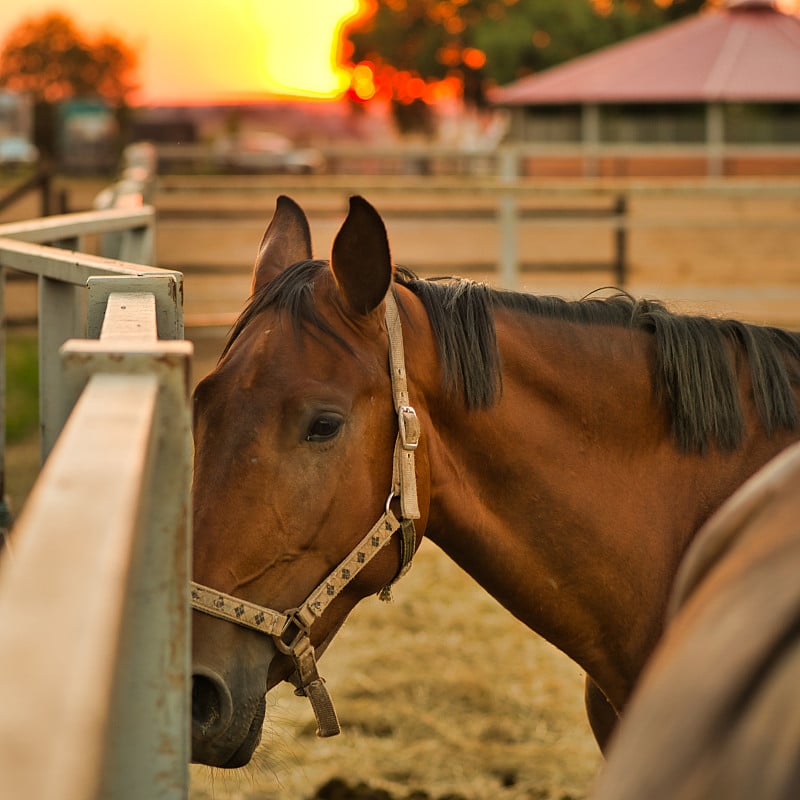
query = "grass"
{"x": 22, "y": 386}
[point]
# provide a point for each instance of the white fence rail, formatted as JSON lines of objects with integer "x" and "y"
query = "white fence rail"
{"x": 94, "y": 618}
{"x": 508, "y": 206}
{"x": 63, "y": 273}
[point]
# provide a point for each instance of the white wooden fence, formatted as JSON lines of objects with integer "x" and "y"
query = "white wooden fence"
{"x": 94, "y": 618}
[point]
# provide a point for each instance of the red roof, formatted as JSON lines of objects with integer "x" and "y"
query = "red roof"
{"x": 748, "y": 52}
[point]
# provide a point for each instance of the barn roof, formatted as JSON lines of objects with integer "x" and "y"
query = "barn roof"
{"x": 747, "y": 52}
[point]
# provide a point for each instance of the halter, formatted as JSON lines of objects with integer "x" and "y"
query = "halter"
{"x": 291, "y": 629}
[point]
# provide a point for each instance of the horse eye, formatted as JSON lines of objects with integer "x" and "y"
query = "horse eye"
{"x": 324, "y": 427}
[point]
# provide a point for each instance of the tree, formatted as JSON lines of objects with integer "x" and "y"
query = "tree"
{"x": 50, "y": 59}
{"x": 482, "y": 42}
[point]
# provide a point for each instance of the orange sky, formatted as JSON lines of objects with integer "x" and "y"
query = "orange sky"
{"x": 205, "y": 50}
{"x": 197, "y": 50}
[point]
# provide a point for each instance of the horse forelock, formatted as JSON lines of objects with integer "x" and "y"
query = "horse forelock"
{"x": 696, "y": 370}
{"x": 292, "y": 292}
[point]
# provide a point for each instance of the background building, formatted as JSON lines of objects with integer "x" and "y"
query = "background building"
{"x": 718, "y": 92}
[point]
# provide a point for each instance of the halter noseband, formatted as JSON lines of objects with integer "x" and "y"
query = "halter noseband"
{"x": 291, "y": 629}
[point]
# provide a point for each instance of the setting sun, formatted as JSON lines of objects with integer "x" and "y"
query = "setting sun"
{"x": 302, "y": 39}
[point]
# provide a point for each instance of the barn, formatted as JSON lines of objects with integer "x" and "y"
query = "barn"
{"x": 717, "y": 93}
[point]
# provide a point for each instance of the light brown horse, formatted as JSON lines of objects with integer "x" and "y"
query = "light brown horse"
{"x": 717, "y": 710}
{"x": 566, "y": 454}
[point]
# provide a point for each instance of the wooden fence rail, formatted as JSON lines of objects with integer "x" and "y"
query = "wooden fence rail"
{"x": 63, "y": 273}
{"x": 524, "y": 159}
{"x": 41, "y": 183}
{"x": 94, "y": 617}
{"x": 507, "y": 204}
{"x": 454, "y": 224}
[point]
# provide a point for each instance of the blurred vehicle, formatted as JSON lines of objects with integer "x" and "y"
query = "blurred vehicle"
{"x": 88, "y": 136}
{"x": 265, "y": 151}
{"x": 15, "y": 150}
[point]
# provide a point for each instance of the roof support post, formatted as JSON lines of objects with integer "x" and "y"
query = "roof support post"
{"x": 590, "y": 138}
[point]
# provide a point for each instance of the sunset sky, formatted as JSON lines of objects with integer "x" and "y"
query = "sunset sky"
{"x": 193, "y": 50}
{"x": 205, "y": 50}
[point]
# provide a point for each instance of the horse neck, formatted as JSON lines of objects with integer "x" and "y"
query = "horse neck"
{"x": 567, "y": 499}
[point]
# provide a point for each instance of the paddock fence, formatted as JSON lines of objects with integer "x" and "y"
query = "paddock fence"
{"x": 522, "y": 159}
{"x": 712, "y": 246}
{"x": 503, "y": 207}
{"x": 94, "y": 617}
{"x": 41, "y": 184}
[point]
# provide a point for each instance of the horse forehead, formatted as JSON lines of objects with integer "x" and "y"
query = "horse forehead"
{"x": 277, "y": 361}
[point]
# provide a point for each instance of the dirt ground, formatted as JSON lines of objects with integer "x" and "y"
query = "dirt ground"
{"x": 442, "y": 694}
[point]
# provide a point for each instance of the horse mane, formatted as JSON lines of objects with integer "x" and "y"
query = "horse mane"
{"x": 290, "y": 291}
{"x": 696, "y": 357}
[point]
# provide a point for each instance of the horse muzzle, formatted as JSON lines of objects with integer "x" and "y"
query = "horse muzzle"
{"x": 229, "y": 685}
{"x": 223, "y": 734}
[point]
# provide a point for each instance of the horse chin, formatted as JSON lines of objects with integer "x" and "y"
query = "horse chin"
{"x": 233, "y": 752}
{"x": 245, "y": 751}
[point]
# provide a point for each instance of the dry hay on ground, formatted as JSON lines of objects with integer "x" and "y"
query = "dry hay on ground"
{"x": 442, "y": 694}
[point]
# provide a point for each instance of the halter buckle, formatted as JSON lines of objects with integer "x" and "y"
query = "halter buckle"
{"x": 295, "y": 627}
{"x": 408, "y": 424}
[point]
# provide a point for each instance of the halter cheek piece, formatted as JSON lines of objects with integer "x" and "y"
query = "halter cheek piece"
{"x": 291, "y": 629}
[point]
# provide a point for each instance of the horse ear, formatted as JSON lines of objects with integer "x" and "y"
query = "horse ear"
{"x": 286, "y": 241}
{"x": 360, "y": 260}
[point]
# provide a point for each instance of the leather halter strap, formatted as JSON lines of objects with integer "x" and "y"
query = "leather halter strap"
{"x": 291, "y": 629}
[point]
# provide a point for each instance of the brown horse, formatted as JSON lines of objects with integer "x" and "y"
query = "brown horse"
{"x": 717, "y": 711}
{"x": 563, "y": 453}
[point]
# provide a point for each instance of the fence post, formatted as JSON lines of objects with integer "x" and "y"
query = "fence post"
{"x": 136, "y": 245}
{"x": 590, "y": 139}
{"x": 148, "y": 743}
{"x": 167, "y": 288}
{"x": 46, "y": 193}
{"x": 5, "y": 511}
{"x": 102, "y": 567}
{"x": 715, "y": 140}
{"x": 57, "y": 404}
{"x": 60, "y": 317}
{"x": 621, "y": 239}
{"x": 508, "y": 219}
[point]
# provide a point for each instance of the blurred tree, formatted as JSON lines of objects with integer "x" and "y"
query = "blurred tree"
{"x": 49, "y": 58}
{"x": 680, "y": 8}
{"x": 484, "y": 42}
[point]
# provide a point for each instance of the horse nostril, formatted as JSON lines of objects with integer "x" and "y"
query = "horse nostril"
{"x": 212, "y": 705}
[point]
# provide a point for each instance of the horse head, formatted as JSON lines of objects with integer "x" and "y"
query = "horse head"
{"x": 295, "y": 431}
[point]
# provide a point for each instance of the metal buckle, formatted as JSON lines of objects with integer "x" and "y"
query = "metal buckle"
{"x": 408, "y": 424}
{"x": 301, "y": 630}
